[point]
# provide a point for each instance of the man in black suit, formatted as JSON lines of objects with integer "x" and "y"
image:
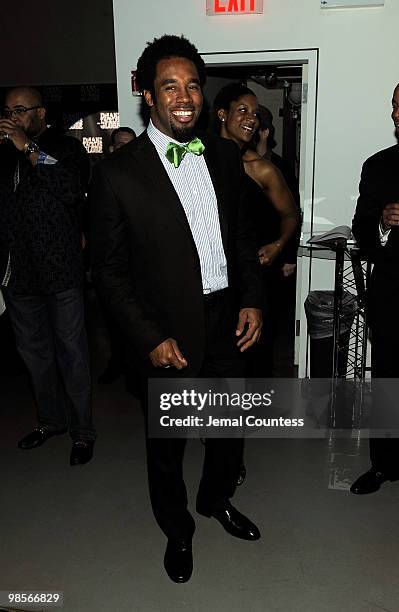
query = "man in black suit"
{"x": 174, "y": 257}
{"x": 375, "y": 227}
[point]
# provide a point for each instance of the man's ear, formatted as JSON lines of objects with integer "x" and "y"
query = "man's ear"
{"x": 41, "y": 111}
{"x": 148, "y": 98}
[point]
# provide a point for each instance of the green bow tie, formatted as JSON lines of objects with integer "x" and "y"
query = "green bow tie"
{"x": 175, "y": 152}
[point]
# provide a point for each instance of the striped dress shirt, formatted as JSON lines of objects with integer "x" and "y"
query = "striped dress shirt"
{"x": 194, "y": 187}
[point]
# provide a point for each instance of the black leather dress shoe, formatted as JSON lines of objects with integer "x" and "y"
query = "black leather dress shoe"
{"x": 82, "y": 452}
{"x": 178, "y": 560}
{"x": 370, "y": 482}
{"x": 38, "y": 437}
{"x": 235, "y": 523}
{"x": 241, "y": 476}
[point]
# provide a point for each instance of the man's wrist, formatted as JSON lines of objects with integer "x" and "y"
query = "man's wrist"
{"x": 30, "y": 148}
{"x": 383, "y": 232}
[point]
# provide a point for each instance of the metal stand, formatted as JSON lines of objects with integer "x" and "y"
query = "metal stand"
{"x": 338, "y": 293}
{"x": 352, "y": 271}
{"x": 353, "y": 278}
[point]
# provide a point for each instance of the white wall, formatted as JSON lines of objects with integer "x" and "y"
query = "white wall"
{"x": 357, "y": 72}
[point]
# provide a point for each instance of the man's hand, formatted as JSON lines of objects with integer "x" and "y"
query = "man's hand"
{"x": 390, "y": 215}
{"x": 15, "y": 133}
{"x": 252, "y": 316}
{"x": 168, "y": 354}
{"x": 268, "y": 253}
{"x": 288, "y": 269}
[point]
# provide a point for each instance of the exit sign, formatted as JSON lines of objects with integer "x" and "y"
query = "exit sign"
{"x": 234, "y": 7}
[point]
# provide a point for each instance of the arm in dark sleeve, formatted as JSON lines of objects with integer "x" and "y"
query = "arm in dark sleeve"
{"x": 365, "y": 224}
{"x": 66, "y": 180}
{"x": 110, "y": 254}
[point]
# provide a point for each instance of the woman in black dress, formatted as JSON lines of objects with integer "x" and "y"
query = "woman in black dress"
{"x": 270, "y": 204}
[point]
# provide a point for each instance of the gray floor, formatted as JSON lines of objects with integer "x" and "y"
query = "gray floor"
{"x": 88, "y": 531}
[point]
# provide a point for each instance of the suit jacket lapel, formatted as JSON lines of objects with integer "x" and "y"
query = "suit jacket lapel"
{"x": 147, "y": 160}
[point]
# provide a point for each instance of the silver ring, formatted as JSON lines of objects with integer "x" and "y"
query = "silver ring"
{"x": 166, "y": 366}
{"x": 4, "y": 135}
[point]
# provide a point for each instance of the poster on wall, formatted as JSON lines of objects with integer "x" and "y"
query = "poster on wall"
{"x": 94, "y": 131}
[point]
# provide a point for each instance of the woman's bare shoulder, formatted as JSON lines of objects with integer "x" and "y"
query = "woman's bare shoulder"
{"x": 251, "y": 156}
{"x": 260, "y": 169}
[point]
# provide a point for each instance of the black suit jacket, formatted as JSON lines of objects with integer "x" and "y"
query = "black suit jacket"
{"x": 144, "y": 260}
{"x": 379, "y": 186}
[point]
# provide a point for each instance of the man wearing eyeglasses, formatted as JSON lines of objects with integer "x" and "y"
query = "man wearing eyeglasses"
{"x": 42, "y": 183}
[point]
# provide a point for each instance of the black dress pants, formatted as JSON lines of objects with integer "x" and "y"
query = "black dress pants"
{"x": 222, "y": 456}
{"x": 51, "y": 339}
{"x": 10, "y": 361}
{"x": 384, "y": 452}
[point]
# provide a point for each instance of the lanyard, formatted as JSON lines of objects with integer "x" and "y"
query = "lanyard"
{"x": 16, "y": 177}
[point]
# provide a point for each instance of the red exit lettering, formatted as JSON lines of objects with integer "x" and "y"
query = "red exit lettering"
{"x": 234, "y": 6}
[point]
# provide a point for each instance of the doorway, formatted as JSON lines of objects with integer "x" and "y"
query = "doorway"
{"x": 279, "y": 89}
{"x": 285, "y": 81}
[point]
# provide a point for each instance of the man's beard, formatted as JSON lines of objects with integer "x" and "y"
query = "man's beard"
{"x": 183, "y": 134}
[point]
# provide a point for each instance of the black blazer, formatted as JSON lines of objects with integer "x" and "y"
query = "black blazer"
{"x": 144, "y": 260}
{"x": 379, "y": 186}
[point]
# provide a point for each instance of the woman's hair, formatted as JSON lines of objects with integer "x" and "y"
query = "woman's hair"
{"x": 266, "y": 123}
{"x": 231, "y": 92}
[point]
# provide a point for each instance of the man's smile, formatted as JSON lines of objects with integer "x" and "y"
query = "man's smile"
{"x": 183, "y": 116}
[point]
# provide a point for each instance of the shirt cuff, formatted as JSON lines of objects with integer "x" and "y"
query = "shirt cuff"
{"x": 384, "y": 234}
{"x": 46, "y": 159}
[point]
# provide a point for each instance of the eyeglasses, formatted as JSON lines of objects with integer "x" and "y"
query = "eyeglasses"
{"x": 19, "y": 110}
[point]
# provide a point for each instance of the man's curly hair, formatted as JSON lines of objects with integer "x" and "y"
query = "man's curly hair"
{"x": 165, "y": 47}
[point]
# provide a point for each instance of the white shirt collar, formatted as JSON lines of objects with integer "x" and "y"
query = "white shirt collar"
{"x": 159, "y": 139}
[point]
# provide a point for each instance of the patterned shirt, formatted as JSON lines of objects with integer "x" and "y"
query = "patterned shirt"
{"x": 40, "y": 232}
